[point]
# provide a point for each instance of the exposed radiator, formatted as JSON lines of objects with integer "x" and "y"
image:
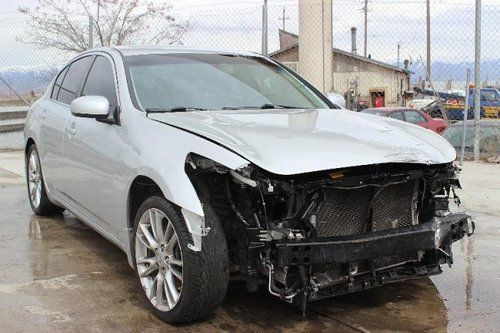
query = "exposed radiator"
{"x": 394, "y": 207}
{"x": 346, "y": 212}
{"x": 343, "y": 212}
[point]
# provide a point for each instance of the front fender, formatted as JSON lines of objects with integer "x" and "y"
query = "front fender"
{"x": 178, "y": 189}
{"x": 159, "y": 152}
{"x": 176, "y": 185}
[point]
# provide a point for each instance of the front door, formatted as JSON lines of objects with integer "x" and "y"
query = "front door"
{"x": 414, "y": 117}
{"x": 91, "y": 154}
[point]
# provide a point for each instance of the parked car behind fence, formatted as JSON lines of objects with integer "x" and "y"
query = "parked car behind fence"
{"x": 413, "y": 116}
{"x": 489, "y": 136}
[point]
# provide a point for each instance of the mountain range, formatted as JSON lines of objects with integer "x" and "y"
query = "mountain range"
{"x": 27, "y": 79}
{"x": 443, "y": 71}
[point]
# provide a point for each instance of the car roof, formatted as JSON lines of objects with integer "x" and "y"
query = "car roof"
{"x": 139, "y": 50}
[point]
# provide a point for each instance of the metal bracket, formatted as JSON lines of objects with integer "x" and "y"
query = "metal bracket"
{"x": 202, "y": 231}
{"x": 196, "y": 226}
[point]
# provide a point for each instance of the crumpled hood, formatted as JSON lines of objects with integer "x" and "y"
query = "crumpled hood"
{"x": 290, "y": 142}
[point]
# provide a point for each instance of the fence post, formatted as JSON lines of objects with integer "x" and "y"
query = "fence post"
{"x": 428, "y": 38}
{"x": 466, "y": 111}
{"x": 264, "y": 28}
{"x": 477, "y": 80}
{"x": 365, "y": 36}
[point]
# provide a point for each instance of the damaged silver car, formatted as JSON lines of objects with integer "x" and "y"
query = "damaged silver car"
{"x": 206, "y": 166}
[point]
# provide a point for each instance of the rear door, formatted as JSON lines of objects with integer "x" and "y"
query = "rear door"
{"x": 91, "y": 153}
{"x": 53, "y": 114}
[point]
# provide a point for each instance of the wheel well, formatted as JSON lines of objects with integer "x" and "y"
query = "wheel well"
{"x": 29, "y": 143}
{"x": 142, "y": 188}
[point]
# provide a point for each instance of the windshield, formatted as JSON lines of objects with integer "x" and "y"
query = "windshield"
{"x": 215, "y": 81}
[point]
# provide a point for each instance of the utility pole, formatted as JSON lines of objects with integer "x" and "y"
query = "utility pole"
{"x": 399, "y": 49}
{"x": 264, "y": 28}
{"x": 428, "y": 21}
{"x": 365, "y": 9}
{"x": 284, "y": 17}
{"x": 477, "y": 79}
{"x": 91, "y": 32}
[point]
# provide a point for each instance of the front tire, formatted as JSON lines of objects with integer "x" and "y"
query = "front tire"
{"x": 179, "y": 284}
{"x": 37, "y": 194}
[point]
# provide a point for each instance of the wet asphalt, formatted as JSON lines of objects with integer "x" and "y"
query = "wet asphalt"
{"x": 57, "y": 274}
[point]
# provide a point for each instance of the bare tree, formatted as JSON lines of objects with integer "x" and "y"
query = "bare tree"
{"x": 63, "y": 24}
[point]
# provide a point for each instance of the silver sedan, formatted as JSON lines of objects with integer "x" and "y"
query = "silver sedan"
{"x": 206, "y": 164}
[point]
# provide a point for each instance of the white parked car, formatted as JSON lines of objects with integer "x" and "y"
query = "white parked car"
{"x": 420, "y": 103}
{"x": 203, "y": 164}
{"x": 458, "y": 92}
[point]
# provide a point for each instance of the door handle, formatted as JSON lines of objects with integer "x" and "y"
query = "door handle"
{"x": 43, "y": 114}
{"x": 71, "y": 129}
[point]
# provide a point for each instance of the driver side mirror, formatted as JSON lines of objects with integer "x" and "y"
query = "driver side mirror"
{"x": 96, "y": 107}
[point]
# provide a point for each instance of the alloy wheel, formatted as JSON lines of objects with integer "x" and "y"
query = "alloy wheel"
{"x": 158, "y": 258}
{"x": 34, "y": 179}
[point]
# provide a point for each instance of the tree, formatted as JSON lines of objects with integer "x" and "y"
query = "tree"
{"x": 64, "y": 24}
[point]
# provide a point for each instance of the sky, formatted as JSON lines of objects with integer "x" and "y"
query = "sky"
{"x": 237, "y": 25}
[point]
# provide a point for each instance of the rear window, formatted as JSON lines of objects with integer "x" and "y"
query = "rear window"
{"x": 57, "y": 83}
{"x": 73, "y": 80}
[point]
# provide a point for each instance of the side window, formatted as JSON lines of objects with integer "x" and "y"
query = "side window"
{"x": 414, "y": 117}
{"x": 397, "y": 115}
{"x": 73, "y": 80}
{"x": 57, "y": 83}
{"x": 101, "y": 81}
{"x": 422, "y": 118}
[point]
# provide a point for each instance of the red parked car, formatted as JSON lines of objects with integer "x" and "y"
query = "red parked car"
{"x": 410, "y": 116}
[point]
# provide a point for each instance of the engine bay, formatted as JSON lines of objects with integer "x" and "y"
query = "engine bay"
{"x": 312, "y": 236}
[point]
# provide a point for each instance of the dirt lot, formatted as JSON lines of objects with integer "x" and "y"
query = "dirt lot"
{"x": 56, "y": 274}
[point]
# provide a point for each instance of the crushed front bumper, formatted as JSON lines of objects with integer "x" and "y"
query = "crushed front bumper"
{"x": 436, "y": 234}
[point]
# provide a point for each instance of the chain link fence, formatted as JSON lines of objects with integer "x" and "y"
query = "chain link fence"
{"x": 361, "y": 53}
{"x": 25, "y": 73}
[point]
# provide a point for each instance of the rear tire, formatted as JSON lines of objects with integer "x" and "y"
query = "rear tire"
{"x": 205, "y": 274}
{"x": 37, "y": 194}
